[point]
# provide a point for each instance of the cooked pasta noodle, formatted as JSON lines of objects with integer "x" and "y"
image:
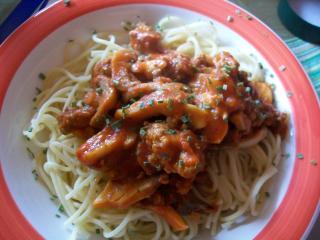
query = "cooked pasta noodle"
{"x": 238, "y": 175}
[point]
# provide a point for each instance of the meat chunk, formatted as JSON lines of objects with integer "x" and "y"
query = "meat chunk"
{"x": 170, "y": 150}
{"x": 126, "y": 193}
{"x": 107, "y": 141}
{"x": 170, "y": 64}
{"x": 122, "y": 77}
{"x": 101, "y": 68}
{"x": 165, "y": 102}
{"x": 263, "y": 91}
{"x": 107, "y": 100}
{"x": 149, "y": 87}
{"x": 144, "y": 39}
{"x": 75, "y": 119}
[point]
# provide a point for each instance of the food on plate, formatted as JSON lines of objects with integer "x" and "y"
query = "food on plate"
{"x": 158, "y": 138}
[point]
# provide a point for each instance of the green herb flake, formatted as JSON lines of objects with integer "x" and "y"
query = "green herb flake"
{"x": 97, "y": 231}
{"x": 300, "y": 156}
{"x": 99, "y": 90}
{"x": 170, "y": 104}
{"x": 67, "y": 3}
{"x": 141, "y": 105}
{"x": 158, "y": 167}
{"x": 142, "y": 132}
{"x": 205, "y": 106}
{"x": 38, "y": 90}
{"x": 227, "y": 68}
{"x": 116, "y": 125}
{"x": 181, "y": 163}
{"x": 44, "y": 151}
{"x": 150, "y": 102}
{"x": 273, "y": 86}
{"x": 224, "y": 87}
{"x": 116, "y": 81}
{"x": 171, "y": 131}
{"x": 61, "y": 208}
{"x": 127, "y": 25}
{"x": 42, "y": 76}
{"x": 53, "y": 197}
{"x": 257, "y": 102}
{"x": 57, "y": 216}
{"x": 30, "y": 129}
{"x": 260, "y": 65}
{"x": 30, "y": 152}
{"x": 94, "y": 32}
{"x": 219, "y": 88}
{"x": 247, "y": 89}
{"x": 160, "y": 101}
{"x": 185, "y": 119}
{"x": 240, "y": 84}
{"x": 35, "y": 174}
{"x": 225, "y": 117}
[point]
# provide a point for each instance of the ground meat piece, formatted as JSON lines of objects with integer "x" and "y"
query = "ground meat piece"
{"x": 144, "y": 39}
{"x": 75, "y": 119}
{"x": 170, "y": 150}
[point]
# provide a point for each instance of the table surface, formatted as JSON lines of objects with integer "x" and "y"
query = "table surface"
{"x": 266, "y": 10}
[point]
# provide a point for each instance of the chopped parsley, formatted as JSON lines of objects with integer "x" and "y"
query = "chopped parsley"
{"x": 142, "y": 132}
{"x": 35, "y": 174}
{"x": 57, "y": 216}
{"x": 219, "y": 88}
{"x": 150, "y": 102}
{"x": 42, "y": 76}
{"x": 224, "y": 87}
{"x": 260, "y": 65}
{"x": 30, "y": 129}
{"x": 127, "y": 25}
{"x": 53, "y": 197}
{"x": 257, "y": 102}
{"x": 160, "y": 101}
{"x": 44, "y": 151}
{"x": 205, "y": 106}
{"x": 227, "y": 68}
{"x": 30, "y": 152}
{"x": 123, "y": 110}
{"x": 225, "y": 117}
{"x": 247, "y": 89}
{"x": 185, "y": 119}
{"x": 61, "y": 208}
{"x": 170, "y": 104}
{"x": 240, "y": 84}
{"x": 171, "y": 131}
{"x": 99, "y": 90}
{"x": 67, "y": 3}
{"x": 116, "y": 125}
{"x": 300, "y": 156}
{"x": 97, "y": 231}
{"x": 181, "y": 163}
{"x": 116, "y": 81}
{"x": 141, "y": 105}
{"x": 38, "y": 90}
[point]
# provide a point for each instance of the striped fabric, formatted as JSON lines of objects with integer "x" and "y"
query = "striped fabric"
{"x": 309, "y": 56}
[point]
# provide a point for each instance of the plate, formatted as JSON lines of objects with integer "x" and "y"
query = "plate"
{"x": 26, "y": 211}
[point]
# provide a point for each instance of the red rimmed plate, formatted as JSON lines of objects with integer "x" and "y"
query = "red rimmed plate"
{"x": 26, "y": 211}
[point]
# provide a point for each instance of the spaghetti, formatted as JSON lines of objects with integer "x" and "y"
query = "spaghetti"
{"x": 235, "y": 176}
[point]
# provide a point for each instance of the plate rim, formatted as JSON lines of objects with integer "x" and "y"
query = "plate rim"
{"x": 15, "y": 225}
